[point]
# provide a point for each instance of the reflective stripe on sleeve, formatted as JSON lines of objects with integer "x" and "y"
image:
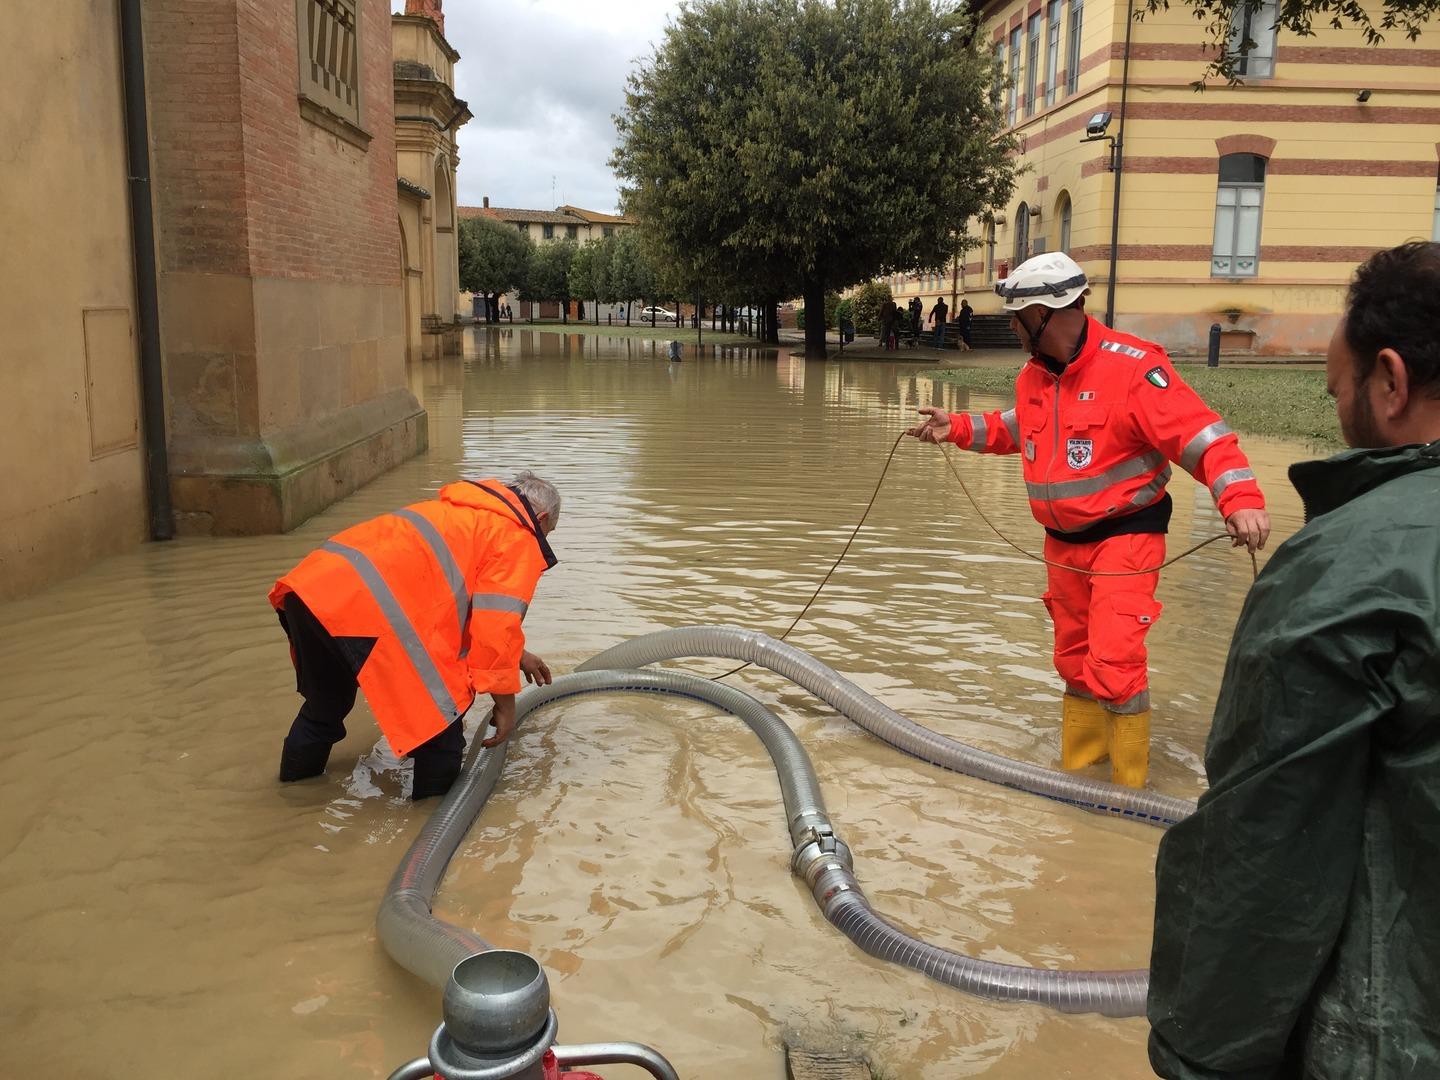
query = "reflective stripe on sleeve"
{"x": 978, "y": 430}
{"x": 1225, "y": 479}
{"x": 498, "y": 602}
{"x": 448, "y": 566}
{"x": 1092, "y": 485}
{"x": 1012, "y": 425}
{"x": 400, "y": 626}
{"x": 1203, "y": 440}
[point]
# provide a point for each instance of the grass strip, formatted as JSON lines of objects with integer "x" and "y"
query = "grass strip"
{"x": 1286, "y": 403}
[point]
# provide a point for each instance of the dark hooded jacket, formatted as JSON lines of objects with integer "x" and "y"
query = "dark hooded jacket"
{"x": 1297, "y": 918}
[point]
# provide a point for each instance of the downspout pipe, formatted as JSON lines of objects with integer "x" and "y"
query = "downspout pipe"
{"x": 1119, "y": 153}
{"x": 147, "y": 302}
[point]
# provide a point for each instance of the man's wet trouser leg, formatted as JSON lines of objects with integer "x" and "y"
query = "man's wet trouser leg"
{"x": 438, "y": 762}
{"x": 1100, "y": 625}
{"x": 324, "y": 678}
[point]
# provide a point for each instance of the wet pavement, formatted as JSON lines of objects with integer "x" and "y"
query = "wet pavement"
{"x": 166, "y": 906}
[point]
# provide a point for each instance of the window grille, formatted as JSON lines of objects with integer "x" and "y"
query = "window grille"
{"x": 329, "y": 55}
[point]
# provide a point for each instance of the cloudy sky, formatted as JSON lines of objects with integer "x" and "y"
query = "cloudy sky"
{"x": 543, "y": 78}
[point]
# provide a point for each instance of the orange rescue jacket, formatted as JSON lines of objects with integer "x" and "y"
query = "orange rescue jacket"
{"x": 441, "y": 588}
{"x": 1098, "y": 439}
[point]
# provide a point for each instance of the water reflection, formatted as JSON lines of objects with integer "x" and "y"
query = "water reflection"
{"x": 636, "y": 845}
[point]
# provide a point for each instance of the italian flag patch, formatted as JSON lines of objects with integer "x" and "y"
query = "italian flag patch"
{"x": 1157, "y": 377}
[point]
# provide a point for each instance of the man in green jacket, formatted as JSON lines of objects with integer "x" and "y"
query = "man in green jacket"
{"x": 1297, "y": 913}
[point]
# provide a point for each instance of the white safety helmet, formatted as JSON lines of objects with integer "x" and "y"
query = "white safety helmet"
{"x": 1053, "y": 280}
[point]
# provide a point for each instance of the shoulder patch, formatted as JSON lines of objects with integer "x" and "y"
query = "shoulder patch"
{"x": 1128, "y": 350}
{"x": 1157, "y": 377}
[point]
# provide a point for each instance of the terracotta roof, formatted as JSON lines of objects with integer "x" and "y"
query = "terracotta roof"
{"x": 596, "y": 217}
{"x": 504, "y": 213}
{"x": 564, "y": 215}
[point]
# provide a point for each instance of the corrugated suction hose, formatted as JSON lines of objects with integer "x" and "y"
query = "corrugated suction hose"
{"x": 431, "y": 948}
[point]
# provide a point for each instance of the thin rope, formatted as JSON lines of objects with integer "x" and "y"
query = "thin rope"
{"x": 945, "y": 451}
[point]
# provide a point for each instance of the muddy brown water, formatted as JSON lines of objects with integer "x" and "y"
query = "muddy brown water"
{"x": 167, "y": 907}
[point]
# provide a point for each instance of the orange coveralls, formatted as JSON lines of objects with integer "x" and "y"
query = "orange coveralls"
{"x": 1097, "y": 441}
{"x": 441, "y": 587}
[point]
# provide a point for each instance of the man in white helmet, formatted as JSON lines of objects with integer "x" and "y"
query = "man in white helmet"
{"x": 1099, "y": 416}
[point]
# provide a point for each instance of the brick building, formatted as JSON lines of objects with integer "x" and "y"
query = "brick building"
{"x": 280, "y": 372}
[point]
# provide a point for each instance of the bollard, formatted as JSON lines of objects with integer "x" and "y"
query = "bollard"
{"x": 1212, "y": 358}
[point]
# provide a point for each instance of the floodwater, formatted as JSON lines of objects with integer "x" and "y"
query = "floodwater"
{"x": 165, "y": 904}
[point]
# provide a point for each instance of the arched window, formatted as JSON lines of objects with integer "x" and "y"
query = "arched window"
{"x": 1238, "y": 200}
{"x": 1022, "y": 232}
{"x": 1062, "y": 215}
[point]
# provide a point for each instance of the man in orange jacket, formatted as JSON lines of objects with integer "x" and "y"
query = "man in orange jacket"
{"x": 1098, "y": 417}
{"x": 421, "y": 609}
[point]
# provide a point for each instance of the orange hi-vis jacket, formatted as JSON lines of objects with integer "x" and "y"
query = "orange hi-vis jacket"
{"x": 436, "y": 593}
{"x": 1098, "y": 439}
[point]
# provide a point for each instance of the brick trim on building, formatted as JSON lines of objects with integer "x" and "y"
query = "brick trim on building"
{"x": 1261, "y": 145}
{"x": 1180, "y": 166}
{"x": 1269, "y": 253}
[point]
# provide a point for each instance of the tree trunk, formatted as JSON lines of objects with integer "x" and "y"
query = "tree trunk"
{"x": 815, "y": 318}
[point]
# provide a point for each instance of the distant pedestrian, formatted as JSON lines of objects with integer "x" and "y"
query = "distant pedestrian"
{"x": 965, "y": 317}
{"x": 916, "y": 315}
{"x": 887, "y": 323}
{"x": 938, "y": 316}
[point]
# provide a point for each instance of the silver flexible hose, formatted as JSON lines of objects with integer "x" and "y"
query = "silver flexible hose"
{"x": 735, "y": 643}
{"x": 431, "y": 948}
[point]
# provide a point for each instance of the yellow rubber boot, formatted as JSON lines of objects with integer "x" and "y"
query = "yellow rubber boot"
{"x": 1130, "y": 749}
{"x": 1084, "y": 732}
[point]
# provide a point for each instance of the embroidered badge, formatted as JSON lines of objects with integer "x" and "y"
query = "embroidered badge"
{"x": 1078, "y": 452}
{"x": 1029, "y": 449}
{"x": 1087, "y": 395}
{"x": 1157, "y": 377}
{"x": 1128, "y": 350}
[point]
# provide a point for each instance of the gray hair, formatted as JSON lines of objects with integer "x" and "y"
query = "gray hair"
{"x": 541, "y": 494}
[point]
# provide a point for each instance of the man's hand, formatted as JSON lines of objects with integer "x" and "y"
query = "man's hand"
{"x": 1248, "y": 529}
{"x": 534, "y": 669}
{"x": 503, "y": 717}
{"x": 935, "y": 428}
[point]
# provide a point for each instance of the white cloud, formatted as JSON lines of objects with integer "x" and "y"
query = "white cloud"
{"x": 543, "y": 79}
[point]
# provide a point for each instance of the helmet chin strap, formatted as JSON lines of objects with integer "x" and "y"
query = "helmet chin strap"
{"x": 1035, "y": 352}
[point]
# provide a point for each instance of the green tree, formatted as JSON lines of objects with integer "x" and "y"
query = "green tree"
{"x": 549, "y": 276}
{"x": 802, "y": 146}
{"x": 869, "y": 299}
{"x": 632, "y": 272}
{"x": 1407, "y": 17}
{"x": 494, "y": 258}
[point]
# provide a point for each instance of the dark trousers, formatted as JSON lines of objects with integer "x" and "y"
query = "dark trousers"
{"x": 326, "y": 680}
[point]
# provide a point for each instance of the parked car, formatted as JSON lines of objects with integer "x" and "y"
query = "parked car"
{"x": 657, "y": 315}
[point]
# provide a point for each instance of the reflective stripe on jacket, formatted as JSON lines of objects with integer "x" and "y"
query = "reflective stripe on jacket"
{"x": 1098, "y": 440}
{"x": 441, "y": 587}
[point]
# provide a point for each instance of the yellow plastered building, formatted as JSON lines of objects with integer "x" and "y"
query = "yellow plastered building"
{"x": 1245, "y": 206}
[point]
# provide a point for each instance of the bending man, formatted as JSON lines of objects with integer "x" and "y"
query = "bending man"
{"x": 1099, "y": 415}
{"x": 421, "y": 609}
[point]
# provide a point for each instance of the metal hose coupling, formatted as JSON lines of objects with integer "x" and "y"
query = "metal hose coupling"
{"x": 822, "y": 860}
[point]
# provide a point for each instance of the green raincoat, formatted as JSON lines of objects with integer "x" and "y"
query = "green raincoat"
{"x": 1297, "y": 913}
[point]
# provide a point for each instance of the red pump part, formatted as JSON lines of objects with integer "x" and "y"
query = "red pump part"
{"x": 552, "y": 1070}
